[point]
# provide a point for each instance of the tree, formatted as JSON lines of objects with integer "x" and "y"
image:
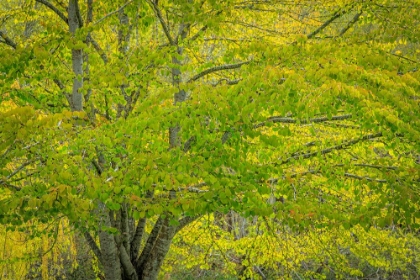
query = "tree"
{"x": 143, "y": 112}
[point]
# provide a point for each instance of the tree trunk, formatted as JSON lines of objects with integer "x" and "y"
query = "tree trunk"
{"x": 77, "y": 59}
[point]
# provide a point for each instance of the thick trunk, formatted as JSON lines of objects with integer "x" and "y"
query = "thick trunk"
{"x": 109, "y": 251}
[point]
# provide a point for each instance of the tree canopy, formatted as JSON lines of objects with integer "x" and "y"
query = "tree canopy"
{"x": 115, "y": 114}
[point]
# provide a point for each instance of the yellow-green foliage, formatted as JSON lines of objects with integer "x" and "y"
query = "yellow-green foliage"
{"x": 284, "y": 254}
{"x": 28, "y": 253}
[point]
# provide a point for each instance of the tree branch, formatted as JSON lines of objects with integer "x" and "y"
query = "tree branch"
{"x": 350, "y": 24}
{"x": 61, "y": 86}
{"x": 136, "y": 241}
{"x": 405, "y": 58}
{"x": 89, "y": 12}
{"x": 129, "y": 269}
{"x": 217, "y": 68}
{"x": 228, "y": 82}
{"x": 330, "y": 149}
{"x": 292, "y": 120}
{"x": 23, "y": 165}
{"x": 328, "y": 22}
{"x": 186, "y": 221}
{"x": 54, "y": 9}
{"x": 10, "y": 186}
{"x": 354, "y": 176}
{"x": 376, "y": 166}
{"x": 113, "y": 13}
{"x": 92, "y": 244}
{"x": 79, "y": 16}
{"x": 150, "y": 242}
{"x": 7, "y": 40}
{"x": 162, "y": 21}
{"x": 196, "y": 35}
{"x": 98, "y": 49}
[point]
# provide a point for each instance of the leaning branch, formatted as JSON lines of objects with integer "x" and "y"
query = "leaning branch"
{"x": 292, "y": 120}
{"x": 227, "y": 81}
{"x": 79, "y": 16}
{"x": 20, "y": 168}
{"x": 151, "y": 240}
{"x": 196, "y": 35}
{"x": 92, "y": 244}
{"x": 162, "y": 21}
{"x": 330, "y": 149}
{"x": 354, "y": 176}
{"x": 351, "y": 23}
{"x": 7, "y": 40}
{"x": 186, "y": 221}
{"x": 127, "y": 264}
{"x": 54, "y": 9}
{"x": 376, "y": 166}
{"x": 63, "y": 89}
{"x": 136, "y": 241}
{"x": 328, "y": 22}
{"x": 217, "y": 68}
{"x": 113, "y": 13}
{"x": 10, "y": 186}
{"x": 98, "y": 49}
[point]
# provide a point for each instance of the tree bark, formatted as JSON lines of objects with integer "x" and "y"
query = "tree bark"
{"x": 77, "y": 59}
{"x": 109, "y": 250}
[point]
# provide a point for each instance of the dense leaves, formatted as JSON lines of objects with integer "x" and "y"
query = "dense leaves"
{"x": 114, "y": 114}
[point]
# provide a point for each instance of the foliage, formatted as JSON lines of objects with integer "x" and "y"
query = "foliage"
{"x": 334, "y": 253}
{"x": 117, "y": 115}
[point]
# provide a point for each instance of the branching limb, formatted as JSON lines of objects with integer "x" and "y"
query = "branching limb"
{"x": 150, "y": 242}
{"x": 129, "y": 269}
{"x": 136, "y": 241}
{"x": 328, "y": 22}
{"x": 182, "y": 32}
{"x": 331, "y": 149}
{"x": 292, "y": 120}
{"x": 186, "y": 221}
{"x": 7, "y": 40}
{"x": 62, "y": 87}
{"x": 89, "y": 12}
{"x": 228, "y": 82}
{"x": 113, "y": 13}
{"x": 354, "y": 176}
{"x": 92, "y": 244}
{"x": 196, "y": 35}
{"x": 54, "y": 9}
{"x": 21, "y": 167}
{"x": 164, "y": 25}
{"x": 405, "y": 58}
{"x": 138, "y": 235}
{"x": 376, "y": 166}
{"x": 125, "y": 229}
{"x": 98, "y": 49}
{"x": 97, "y": 167}
{"x": 351, "y": 23}
{"x": 10, "y": 186}
{"x": 217, "y": 68}
{"x": 79, "y": 16}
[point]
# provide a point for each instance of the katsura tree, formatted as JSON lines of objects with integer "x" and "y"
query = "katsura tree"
{"x": 134, "y": 119}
